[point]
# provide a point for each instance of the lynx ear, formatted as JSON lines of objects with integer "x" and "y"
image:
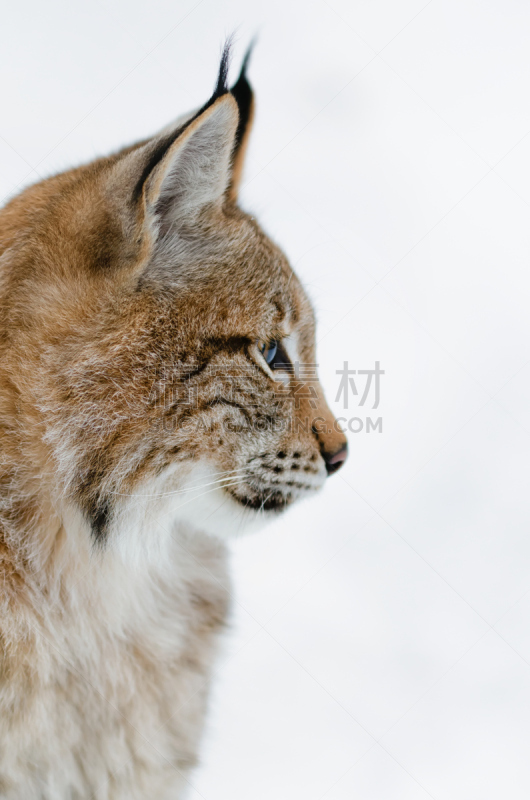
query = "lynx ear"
{"x": 198, "y": 163}
{"x": 194, "y": 171}
{"x": 242, "y": 92}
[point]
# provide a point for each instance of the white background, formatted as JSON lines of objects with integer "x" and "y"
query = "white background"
{"x": 380, "y": 646}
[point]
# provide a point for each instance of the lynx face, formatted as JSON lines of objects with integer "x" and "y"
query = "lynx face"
{"x": 160, "y": 348}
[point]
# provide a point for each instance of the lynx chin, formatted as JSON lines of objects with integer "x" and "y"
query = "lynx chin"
{"x": 149, "y": 410}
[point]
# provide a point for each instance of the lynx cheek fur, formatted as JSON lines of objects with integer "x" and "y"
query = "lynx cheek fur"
{"x": 147, "y": 340}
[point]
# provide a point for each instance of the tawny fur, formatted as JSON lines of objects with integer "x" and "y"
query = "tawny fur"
{"x": 139, "y": 428}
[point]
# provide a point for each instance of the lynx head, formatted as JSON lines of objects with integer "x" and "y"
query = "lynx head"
{"x": 158, "y": 347}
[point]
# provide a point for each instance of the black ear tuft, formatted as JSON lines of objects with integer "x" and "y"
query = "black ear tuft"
{"x": 221, "y": 87}
{"x": 242, "y": 92}
{"x": 246, "y": 58}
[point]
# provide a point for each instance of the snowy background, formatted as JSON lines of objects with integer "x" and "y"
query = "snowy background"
{"x": 380, "y": 646}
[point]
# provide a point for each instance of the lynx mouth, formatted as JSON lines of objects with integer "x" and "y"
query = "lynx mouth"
{"x": 263, "y": 500}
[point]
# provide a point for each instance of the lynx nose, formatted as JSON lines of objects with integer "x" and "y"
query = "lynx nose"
{"x": 334, "y": 461}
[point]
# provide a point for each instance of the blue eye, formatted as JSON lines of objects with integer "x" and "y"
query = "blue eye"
{"x": 269, "y": 350}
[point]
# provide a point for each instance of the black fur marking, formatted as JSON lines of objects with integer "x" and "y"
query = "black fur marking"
{"x": 211, "y": 347}
{"x": 98, "y": 513}
{"x": 156, "y": 156}
{"x": 222, "y": 401}
{"x": 96, "y": 506}
{"x": 266, "y": 501}
{"x": 242, "y": 92}
{"x": 221, "y": 88}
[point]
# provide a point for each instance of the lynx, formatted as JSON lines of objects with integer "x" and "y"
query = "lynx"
{"x": 150, "y": 409}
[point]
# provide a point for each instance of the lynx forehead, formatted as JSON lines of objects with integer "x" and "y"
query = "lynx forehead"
{"x": 150, "y": 402}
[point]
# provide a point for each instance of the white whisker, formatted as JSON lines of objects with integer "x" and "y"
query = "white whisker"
{"x": 228, "y": 475}
{"x": 222, "y": 486}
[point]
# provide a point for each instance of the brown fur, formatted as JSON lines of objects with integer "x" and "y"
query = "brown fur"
{"x": 133, "y": 292}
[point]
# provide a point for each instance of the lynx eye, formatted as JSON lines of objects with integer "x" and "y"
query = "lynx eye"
{"x": 274, "y": 354}
{"x": 268, "y": 350}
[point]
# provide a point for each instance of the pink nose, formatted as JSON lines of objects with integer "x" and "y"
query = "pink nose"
{"x": 336, "y": 460}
